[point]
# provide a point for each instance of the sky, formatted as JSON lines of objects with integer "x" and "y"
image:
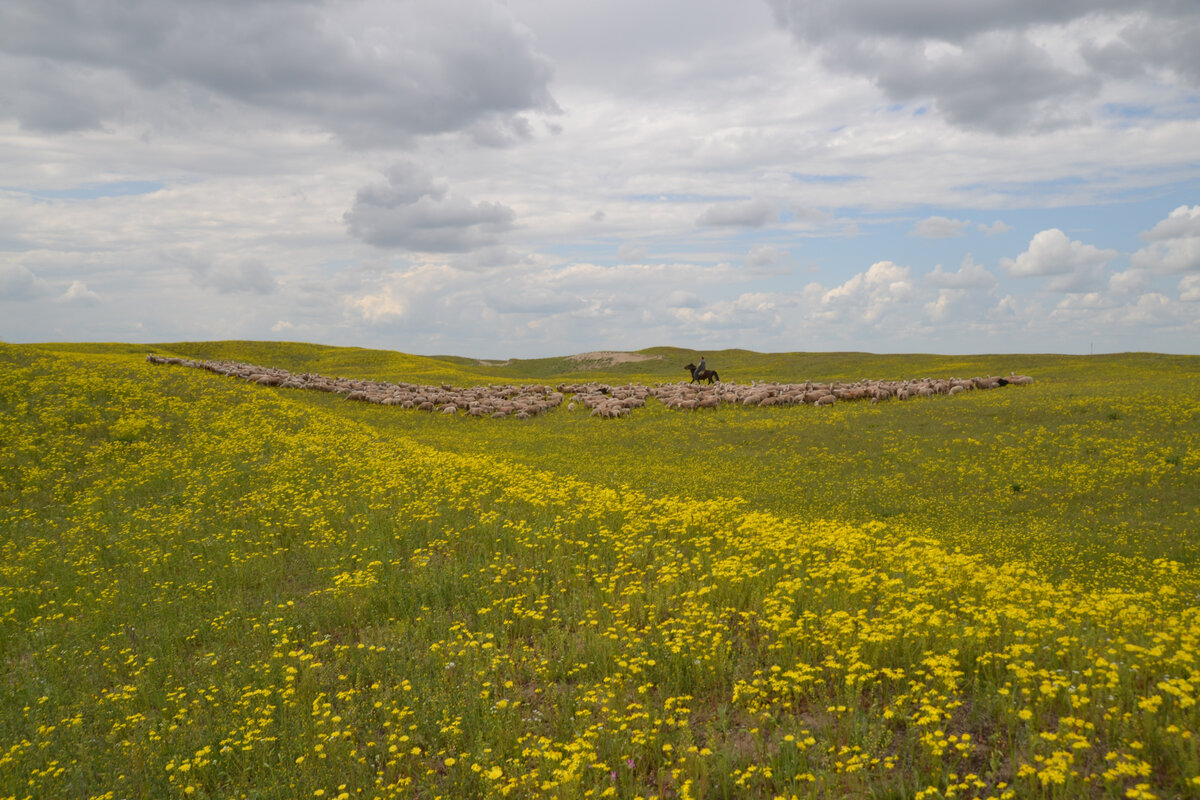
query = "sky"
{"x": 545, "y": 177}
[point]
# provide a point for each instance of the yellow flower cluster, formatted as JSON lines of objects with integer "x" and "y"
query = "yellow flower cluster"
{"x": 211, "y": 590}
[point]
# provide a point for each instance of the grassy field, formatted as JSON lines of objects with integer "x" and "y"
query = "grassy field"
{"x": 210, "y": 588}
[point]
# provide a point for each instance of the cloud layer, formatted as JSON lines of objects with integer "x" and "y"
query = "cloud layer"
{"x": 525, "y": 178}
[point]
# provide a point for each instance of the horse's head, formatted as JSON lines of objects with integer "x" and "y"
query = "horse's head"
{"x": 690, "y": 367}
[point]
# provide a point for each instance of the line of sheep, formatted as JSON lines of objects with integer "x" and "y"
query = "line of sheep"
{"x": 602, "y": 400}
{"x": 521, "y": 402}
{"x": 694, "y": 396}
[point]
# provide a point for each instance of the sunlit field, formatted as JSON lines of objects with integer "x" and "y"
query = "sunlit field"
{"x": 210, "y": 588}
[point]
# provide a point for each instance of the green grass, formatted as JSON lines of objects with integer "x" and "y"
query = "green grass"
{"x": 1093, "y": 465}
{"x": 210, "y": 588}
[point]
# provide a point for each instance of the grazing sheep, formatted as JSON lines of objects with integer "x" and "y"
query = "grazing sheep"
{"x": 608, "y": 402}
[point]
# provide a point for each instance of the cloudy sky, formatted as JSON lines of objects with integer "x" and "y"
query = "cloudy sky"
{"x": 544, "y": 177}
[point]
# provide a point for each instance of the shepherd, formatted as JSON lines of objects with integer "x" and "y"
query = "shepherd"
{"x": 702, "y": 373}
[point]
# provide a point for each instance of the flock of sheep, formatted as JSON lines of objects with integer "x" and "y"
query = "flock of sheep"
{"x": 602, "y": 400}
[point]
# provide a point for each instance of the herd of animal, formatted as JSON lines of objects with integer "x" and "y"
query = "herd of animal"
{"x": 523, "y": 401}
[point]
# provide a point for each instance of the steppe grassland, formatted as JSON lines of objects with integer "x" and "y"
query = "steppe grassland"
{"x": 215, "y": 589}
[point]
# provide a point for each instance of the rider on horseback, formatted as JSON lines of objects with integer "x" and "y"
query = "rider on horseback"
{"x": 702, "y": 366}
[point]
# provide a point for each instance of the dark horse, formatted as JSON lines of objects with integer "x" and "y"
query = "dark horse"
{"x": 702, "y": 375}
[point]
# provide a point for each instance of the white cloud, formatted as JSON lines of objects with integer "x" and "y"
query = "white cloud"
{"x": 1072, "y": 266}
{"x": 996, "y": 228}
{"x": 1189, "y": 289}
{"x": 939, "y": 228}
{"x": 748, "y": 214}
{"x": 1183, "y": 222}
{"x": 1129, "y": 282}
{"x": 872, "y": 294}
{"x": 970, "y": 275}
{"x": 1175, "y": 243}
{"x": 78, "y": 294}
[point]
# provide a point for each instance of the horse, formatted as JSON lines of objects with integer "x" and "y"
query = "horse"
{"x": 702, "y": 375}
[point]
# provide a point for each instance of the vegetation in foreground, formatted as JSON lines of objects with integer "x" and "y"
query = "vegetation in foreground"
{"x": 209, "y": 588}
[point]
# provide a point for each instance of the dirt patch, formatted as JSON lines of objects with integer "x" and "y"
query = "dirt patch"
{"x": 606, "y": 358}
{"x": 485, "y": 363}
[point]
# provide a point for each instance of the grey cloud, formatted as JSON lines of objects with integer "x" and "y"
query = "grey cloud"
{"x": 1146, "y": 43}
{"x": 369, "y": 70}
{"x": 629, "y": 252}
{"x": 529, "y": 299}
{"x": 976, "y": 61}
{"x": 763, "y": 255}
{"x": 244, "y": 276}
{"x": 999, "y": 82}
{"x": 749, "y": 214}
{"x": 951, "y": 22}
{"x": 412, "y": 211}
{"x": 18, "y": 283}
{"x": 224, "y": 274}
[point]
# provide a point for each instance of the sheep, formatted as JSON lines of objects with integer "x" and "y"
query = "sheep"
{"x": 602, "y": 400}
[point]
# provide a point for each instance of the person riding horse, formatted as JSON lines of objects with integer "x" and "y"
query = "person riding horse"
{"x": 702, "y": 373}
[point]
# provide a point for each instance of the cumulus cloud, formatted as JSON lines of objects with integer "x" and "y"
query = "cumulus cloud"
{"x": 367, "y": 70}
{"x": 78, "y": 294}
{"x": 996, "y": 228}
{"x": 872, "y": 293}
{"x": 1175, "y": 243}
{"x": 748, "y": 214}
{"x": 995, "y": 66}
{"x": 1189, "y": 289}
{"x": 1129, "y": 282}
{"x": 1072, "y": 265}
{"x": 387, "y": 302}
{"x": 939, "y": 228}
{"x": 970, "y": 275}
{"x": 412, "y": 211}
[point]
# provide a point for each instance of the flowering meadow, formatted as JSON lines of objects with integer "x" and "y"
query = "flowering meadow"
{"x": 210, "y": 588}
